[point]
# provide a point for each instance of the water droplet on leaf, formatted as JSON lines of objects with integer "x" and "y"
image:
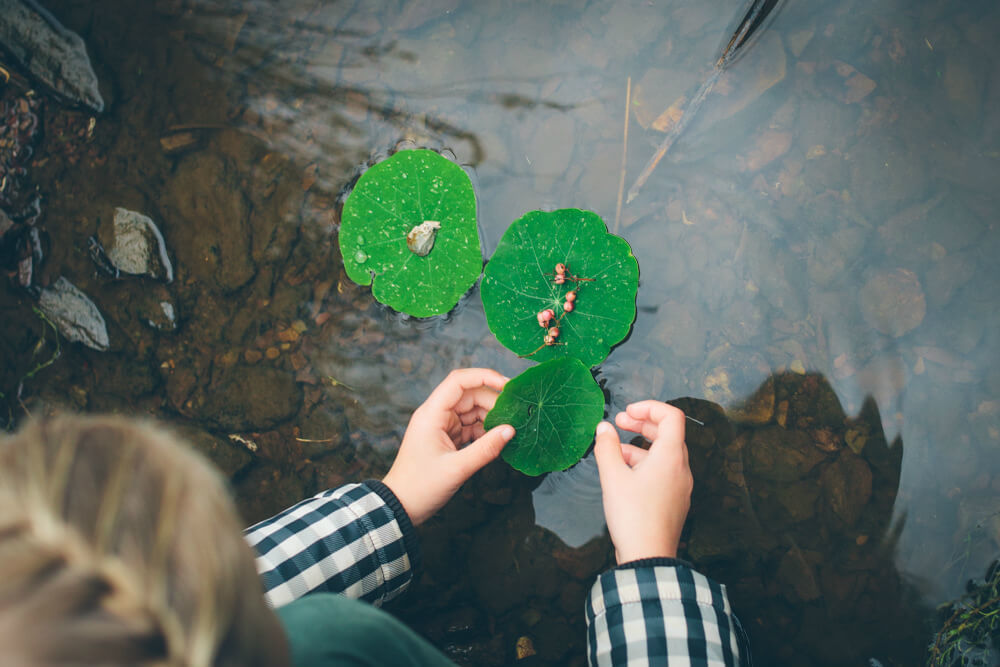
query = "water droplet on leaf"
{"x": 360, "y": 256}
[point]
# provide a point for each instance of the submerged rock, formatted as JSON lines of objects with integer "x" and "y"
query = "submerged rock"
{"x": 136, "y": 248}
{"x": 74, "y": 314}
{"x": 52, "y": 54}
{"x": 893, "y": 302}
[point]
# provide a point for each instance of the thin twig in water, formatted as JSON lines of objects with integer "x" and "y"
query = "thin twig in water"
{"x": 621, "y": 180}
{"x": 751, "y": 21}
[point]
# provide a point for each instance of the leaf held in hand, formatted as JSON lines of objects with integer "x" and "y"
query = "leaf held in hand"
{"x": 555, "y": 407}
{"x": 411, "y": 188}
{"x": 520, "y": 282}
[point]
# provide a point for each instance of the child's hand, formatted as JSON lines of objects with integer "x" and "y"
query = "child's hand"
{"x": 429, "y": 466}
{"x": 646, "y": 493}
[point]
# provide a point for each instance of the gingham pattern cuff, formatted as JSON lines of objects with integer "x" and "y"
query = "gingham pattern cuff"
{"x": 345, "y": 540}
{"x": 660, "y": 614}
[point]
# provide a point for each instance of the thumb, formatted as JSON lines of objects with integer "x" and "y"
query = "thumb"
{"x": 477, "y": 454}
{"x": 608, "y": 452}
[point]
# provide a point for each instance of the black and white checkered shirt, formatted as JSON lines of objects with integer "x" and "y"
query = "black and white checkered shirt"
{"x": 661, "y": 612}
{"x": 358, "y": 541}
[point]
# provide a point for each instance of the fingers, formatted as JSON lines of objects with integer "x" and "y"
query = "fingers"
{"x": 481, "y": 397}
{"x": 655, "y": 420}
{"x": 477, "y": 454}
{"x": 608, "y": 452}
{"x": 633, "y": 455}
{"x": 626, "y": 422}
{"x": 448, "y": 394}
{"x": 474, "y": 415}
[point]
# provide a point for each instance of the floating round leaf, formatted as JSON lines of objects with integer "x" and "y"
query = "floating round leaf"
{"x": 567, "y": 262}
{"x": 408, "y": 229}
{"x": 555, "y": 407}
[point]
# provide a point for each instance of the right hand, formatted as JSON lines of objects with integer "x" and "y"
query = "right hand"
{"x": 646, "y": 493}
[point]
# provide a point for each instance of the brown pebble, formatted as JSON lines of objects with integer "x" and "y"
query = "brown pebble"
{"x": 252, "y": 356}
{"x": 272, "y": 353}
{"x": 861, "y": 540}
{"x": 322, "y": 319}
{"x": 288, "y": 335}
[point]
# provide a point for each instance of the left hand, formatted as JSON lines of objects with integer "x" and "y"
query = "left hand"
{"x": 431, "y": 463}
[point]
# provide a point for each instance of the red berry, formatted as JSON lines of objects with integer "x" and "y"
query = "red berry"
{"x": 568, "y": 307}
{"x": 560, "y": 268}
{"x": 571, "y": 296}
{"x": 560, "y": 279}
{"x": 549, "y": 340}
{"x": 554, "y": 332}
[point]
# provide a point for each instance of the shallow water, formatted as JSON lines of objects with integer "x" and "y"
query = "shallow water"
{"x": 822, "y": 237}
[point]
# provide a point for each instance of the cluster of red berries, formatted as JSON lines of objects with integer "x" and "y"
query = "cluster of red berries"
{"x": 546, "y": 316}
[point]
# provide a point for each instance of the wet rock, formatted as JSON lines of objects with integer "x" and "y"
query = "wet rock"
{"x": 732, "y": 373}
{"x": 525, "y": 647}
{"x": 797, "y": 576}
{"x": 267, "y": 489}
{"x": 964, "y": 85}
{"x": 210, "y": 213}
{"x": 52, "y": 54}
{"x": 799, "y": 499}
{"x": 489, "y": 653}
{"x": 162, "y": 316}
{"x": 229, "y": 457}
{"x": 758, "y": 409}
{"x": 76, "y": 317}
{"x": 885, "y": 174}
{"x": 683, "y": 332}
{"x": 248, "y": 398}
{"x": 133, "y": 244}
{"x": 947, "y": 276}
{"x": 768, "y": 147}
{"x": 893, "y": 302}
{"x": 847, "y": 487}
{"x": 811, "y": 401}
{"x": 783, "y": 456}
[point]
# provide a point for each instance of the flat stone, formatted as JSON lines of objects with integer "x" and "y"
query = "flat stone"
{"x": 248, "y": 398}
{"x": 52, "y": 54}
{"x": 75, "y": 316}
{"x": 893, "y": 302}
{"x": 136, "y": 246}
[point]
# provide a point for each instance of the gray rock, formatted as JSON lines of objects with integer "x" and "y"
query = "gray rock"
{"x": 137, "y": 247}
{"x": 162, "y": 317}
{"x": 74, "y": 314}
{"x": 55, "y": 56}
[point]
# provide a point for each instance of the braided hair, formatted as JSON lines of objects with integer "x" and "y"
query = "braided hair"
{"x": 121, "y": 546}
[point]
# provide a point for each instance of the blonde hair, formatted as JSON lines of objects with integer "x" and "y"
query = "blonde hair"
{"x": 120, "y": 546}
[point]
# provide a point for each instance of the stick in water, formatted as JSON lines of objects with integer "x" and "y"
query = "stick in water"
{"x": 621, "y": 180}
{"x": 751, "y": 21}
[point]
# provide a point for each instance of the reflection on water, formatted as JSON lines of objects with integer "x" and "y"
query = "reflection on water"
{"x": 822, "y": 238}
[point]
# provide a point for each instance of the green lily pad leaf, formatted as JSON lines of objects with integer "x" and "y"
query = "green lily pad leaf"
{"x": 519, "y": 282}
{"x": 555, "y": 407}
{"x": 410, "y": 192}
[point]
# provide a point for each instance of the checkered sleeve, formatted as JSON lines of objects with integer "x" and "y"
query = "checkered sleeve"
{"x": 658, "y": 612}
{"x": 355, "y": 540}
